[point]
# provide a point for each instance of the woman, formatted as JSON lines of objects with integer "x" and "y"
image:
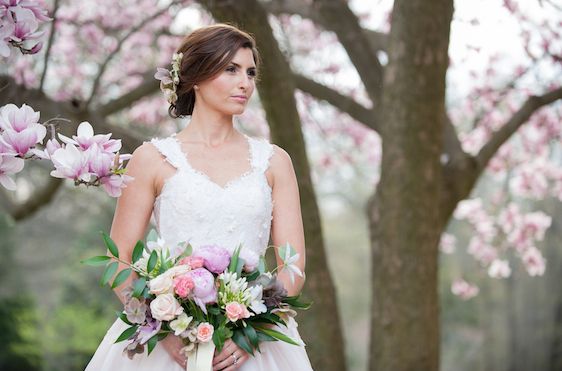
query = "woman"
{"x": 210, "y": 183}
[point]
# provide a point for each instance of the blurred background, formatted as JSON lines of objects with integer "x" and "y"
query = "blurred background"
{"x": 500, "y": 257}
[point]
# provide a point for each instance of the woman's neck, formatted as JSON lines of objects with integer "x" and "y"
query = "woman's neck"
{"x": 209, "y": 128}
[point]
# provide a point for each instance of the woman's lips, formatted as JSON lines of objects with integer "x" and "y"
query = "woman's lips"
{"x": 240, "y": 98}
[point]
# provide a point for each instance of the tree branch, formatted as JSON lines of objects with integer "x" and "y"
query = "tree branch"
{"x": 377, "y": 40}
{"x": 342, "y": 102}
{"x": 350, "y": 34}
{"x": 49, "y": 45}
{"x": 120, "y": 43}
{"x": 532, "y": 104}
{"x": 149, "y": 86}
{"x": 41, "y": 197}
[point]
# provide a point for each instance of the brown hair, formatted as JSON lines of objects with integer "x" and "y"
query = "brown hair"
{"x": 206, "y": 52}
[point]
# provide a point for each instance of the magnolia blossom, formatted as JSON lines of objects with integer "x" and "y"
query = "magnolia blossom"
{"x": 534, "y": 262}
{"x": 499, "y": 269}
{"x": 9, "y": 165}
{"x": 20, "y": 20}
{"x": 447, "y": 243}
{"x": 464, "y": 289}
{"x": 70, "y": 163}
{"x": 85, "y": 138}
{"x": 20, "y": 129}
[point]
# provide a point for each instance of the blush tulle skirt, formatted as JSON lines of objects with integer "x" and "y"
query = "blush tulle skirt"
{"x": 274, "y": 356}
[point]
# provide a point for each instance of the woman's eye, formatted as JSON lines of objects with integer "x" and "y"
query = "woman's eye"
{"x": 231, "y": 69}
{"x": 252, "y": 73}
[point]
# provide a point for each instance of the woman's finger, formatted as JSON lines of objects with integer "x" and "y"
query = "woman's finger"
{"x": 239, "y": 363}
{"x": 229, "y": 348}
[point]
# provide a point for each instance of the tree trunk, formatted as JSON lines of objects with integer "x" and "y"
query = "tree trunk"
{"x": 404, "y": 213}
{"x": 319, "y": 326}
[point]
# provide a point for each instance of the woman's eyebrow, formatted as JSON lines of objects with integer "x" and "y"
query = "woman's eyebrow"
{"x": 237, "y": 65}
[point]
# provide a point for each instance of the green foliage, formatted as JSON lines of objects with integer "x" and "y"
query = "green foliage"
{"x": 19, "y": 337}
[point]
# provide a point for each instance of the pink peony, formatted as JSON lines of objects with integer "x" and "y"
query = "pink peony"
{"x": 236, "y": 311}
{"x": 183, "y": 285}
{"x": 216, "y": 258}
{"x": 205, "y": 332}
{"x": 251, "y": 259}
{"x": 204, "y": 290}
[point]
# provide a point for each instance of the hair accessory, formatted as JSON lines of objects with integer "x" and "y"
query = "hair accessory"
{"x": 169, "y": 80}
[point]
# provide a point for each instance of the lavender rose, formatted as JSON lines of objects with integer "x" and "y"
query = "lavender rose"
{"x": 216, "y": 258}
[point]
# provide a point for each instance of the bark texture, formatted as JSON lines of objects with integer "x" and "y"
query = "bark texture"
{"x": 404, "y": 213}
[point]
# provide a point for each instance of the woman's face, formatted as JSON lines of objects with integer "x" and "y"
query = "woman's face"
{"x": 231, "y": 89}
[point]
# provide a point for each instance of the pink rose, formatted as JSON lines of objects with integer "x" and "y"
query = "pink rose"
{"x": 193, "y": 261}
{"x": 183, "y": 285}
{"x": 205, "y": 332}
{"x": 236, "y": 311}
{"x": 216, "y": 258}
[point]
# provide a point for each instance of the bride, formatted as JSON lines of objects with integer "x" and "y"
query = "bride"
{"x": 210, "y": 184}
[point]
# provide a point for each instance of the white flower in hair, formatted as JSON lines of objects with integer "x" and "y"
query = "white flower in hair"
{"x": 169, "y": 80}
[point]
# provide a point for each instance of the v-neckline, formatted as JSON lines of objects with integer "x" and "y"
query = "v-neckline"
{"x": 203, "y": 175}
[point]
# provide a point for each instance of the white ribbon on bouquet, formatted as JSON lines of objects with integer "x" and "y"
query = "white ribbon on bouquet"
{"x": 201, "y": 357}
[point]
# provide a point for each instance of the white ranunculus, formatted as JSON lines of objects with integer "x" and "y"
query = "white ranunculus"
{"x": 165, "y": 307}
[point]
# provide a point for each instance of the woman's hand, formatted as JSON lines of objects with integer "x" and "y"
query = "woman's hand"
{"x": 231, "y": 353}
{"x": 173, "y": 345}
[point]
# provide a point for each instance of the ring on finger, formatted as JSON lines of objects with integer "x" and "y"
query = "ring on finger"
{"x": 235, "y": 358}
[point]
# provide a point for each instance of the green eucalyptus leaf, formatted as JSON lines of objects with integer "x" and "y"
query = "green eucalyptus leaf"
{"x": 138, "y": 287}
{"x": 137, "y": 251}
{"x": 121, "y": 277}
{"x": 152, "y": 343}
{"x": 111, "y": 246}
{"x": 127, "y": 333}
{"x": 96, "y": 260}
{"x": 109, "y": 271}
{"x": 152, "y": 236}
{"x": 152, "y": 261}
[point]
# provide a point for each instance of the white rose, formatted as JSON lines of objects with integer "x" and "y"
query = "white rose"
{"x": 162, "y": 284}
{"x": 165, "y": 307}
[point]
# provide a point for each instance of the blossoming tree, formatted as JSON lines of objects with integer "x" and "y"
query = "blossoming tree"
{"x": 427, "y": 157}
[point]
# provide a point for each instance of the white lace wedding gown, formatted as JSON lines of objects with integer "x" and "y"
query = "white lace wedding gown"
{"x": 191, "y": 207}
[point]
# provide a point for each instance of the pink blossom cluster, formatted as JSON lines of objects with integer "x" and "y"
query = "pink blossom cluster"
{"x": 464, "y": 289}
{"x": 84, "y": 158}
{"x": 20, "y": 131}
{"x": 512, "y": 229}
{"x": 19, "y": 24}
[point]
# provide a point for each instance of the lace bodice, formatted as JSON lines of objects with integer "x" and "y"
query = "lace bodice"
{"x": 191, "y": 207}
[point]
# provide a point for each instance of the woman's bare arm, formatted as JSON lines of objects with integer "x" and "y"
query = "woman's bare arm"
{"x": 134, "y": 207}
{"x": 287, "y": 219}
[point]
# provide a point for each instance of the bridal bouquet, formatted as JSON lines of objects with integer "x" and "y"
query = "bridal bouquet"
{"x": 204, "y": 296}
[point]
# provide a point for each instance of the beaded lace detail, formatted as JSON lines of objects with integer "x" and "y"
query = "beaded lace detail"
{"x": 192, "y": 207}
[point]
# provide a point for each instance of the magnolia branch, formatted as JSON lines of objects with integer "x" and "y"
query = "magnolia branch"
{"x": 344, "y": 103}
{"x": 50, "y": 42}
{"x": 377, "y": 40}
{"x": 148, "y": 86}
{"x": 532, "y": 104}
{"x": 41, "y": 197}
{"x": 120, "y": 43}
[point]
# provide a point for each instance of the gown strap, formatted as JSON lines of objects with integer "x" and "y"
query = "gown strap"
{"x": 263, "y": 150}
{"x": 170, "y": 150}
